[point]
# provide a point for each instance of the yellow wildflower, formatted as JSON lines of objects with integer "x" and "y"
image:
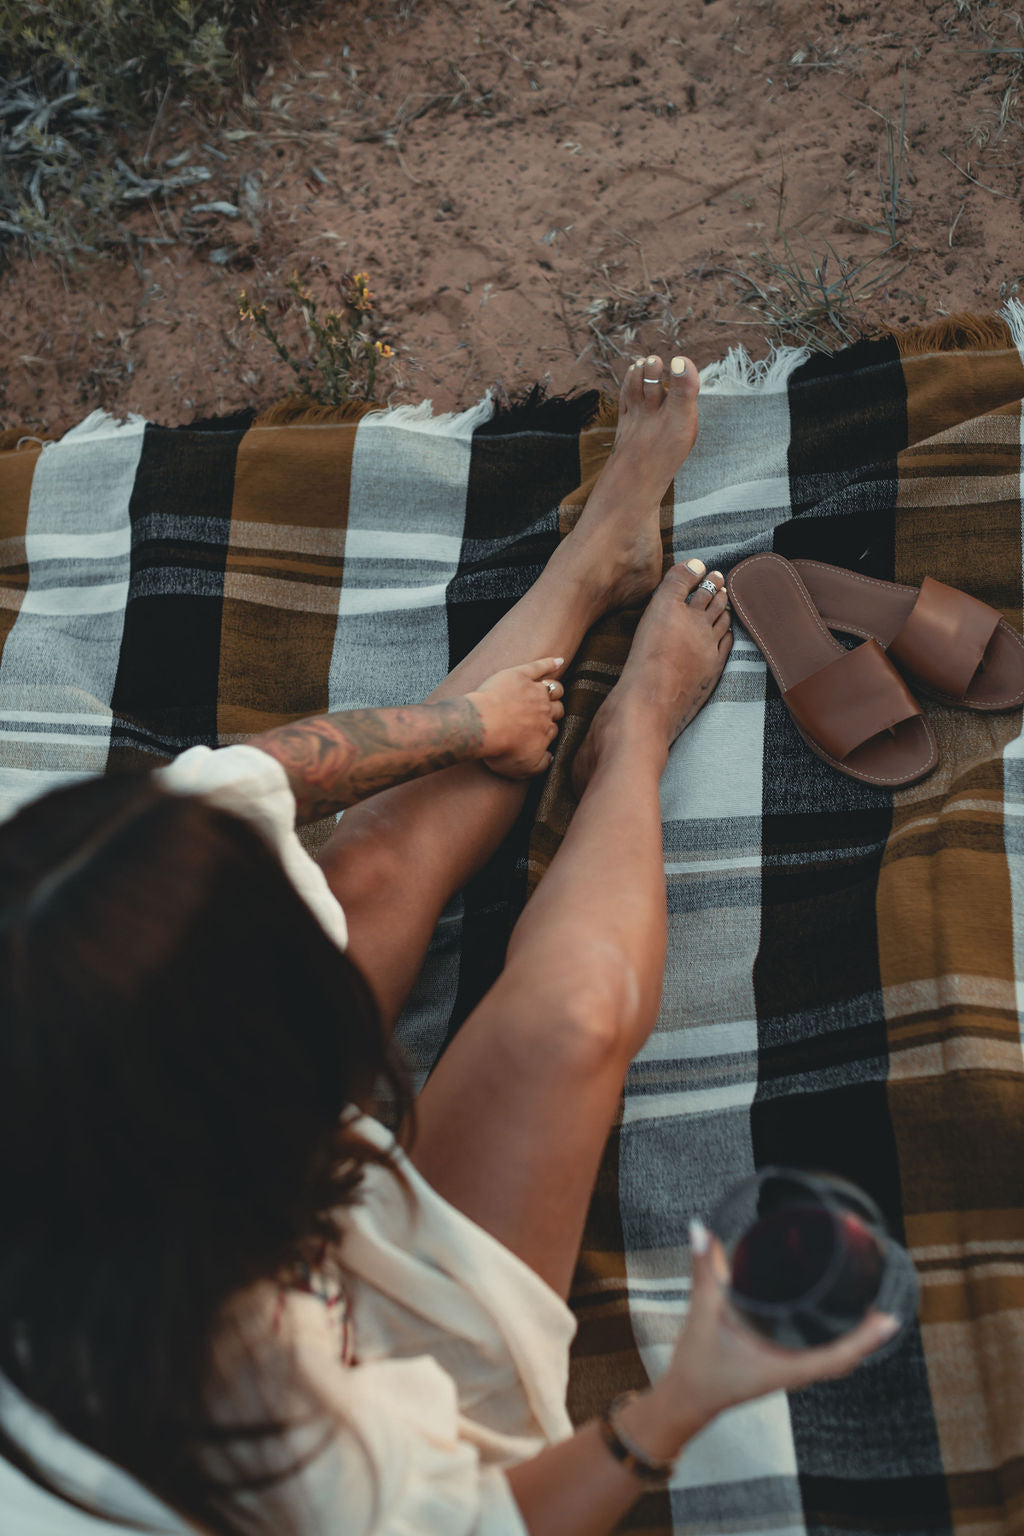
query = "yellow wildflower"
{"x": 359, "y": 294}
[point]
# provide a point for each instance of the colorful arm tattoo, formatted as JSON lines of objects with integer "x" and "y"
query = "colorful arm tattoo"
{"x": 334, "y": 760}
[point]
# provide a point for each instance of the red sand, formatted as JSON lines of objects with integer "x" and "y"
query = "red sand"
{"x": 573, "y": 169}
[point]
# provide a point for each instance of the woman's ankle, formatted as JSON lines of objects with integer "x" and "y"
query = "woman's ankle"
{"x": 627, "y": 738}
{"x": 608, "y": 572}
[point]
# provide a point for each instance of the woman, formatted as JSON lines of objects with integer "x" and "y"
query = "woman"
{"x": 228, "y": 1300}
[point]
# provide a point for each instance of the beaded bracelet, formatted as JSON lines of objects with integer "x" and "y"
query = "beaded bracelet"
{"x": 623, "y": 1449}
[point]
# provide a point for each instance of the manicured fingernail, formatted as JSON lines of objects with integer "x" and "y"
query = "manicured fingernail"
{"x": 699, "y": 1239}
{"x": 679, "y": 366}
{"x": 559, "y": 661}
{"x": 696, "y": 566}
{"x": 889, "y": 1325}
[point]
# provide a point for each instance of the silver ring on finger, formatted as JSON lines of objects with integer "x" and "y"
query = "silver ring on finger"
{"x": 550, "y": 686}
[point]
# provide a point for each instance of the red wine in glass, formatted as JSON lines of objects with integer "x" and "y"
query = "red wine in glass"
{"x": 809, "y": 1257}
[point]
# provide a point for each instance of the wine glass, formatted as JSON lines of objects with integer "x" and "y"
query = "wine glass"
{"x": 809, "y": 1256}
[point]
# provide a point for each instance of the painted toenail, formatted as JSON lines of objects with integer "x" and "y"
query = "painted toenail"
{"x": 679, "y": 366}
{"x": 654, "y": 360}
{"x": 696, "y": 566}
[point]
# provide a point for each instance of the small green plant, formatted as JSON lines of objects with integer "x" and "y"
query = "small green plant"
{"x": 817, "y": 300}
{"x": 805, "y": 300}
{"x": 896, "y": 144}
{"x": 890, "y": 178}
{"x": 344, "y": 356}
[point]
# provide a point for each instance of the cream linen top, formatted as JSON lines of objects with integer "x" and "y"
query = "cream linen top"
{"x": 442, "y": 1360}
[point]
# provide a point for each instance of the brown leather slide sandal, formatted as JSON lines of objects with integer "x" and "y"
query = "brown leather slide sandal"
{"x": 851, "y": 707}
{"x": 956, "y": 648}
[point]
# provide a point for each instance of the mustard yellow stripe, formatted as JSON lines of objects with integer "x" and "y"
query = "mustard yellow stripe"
{"x": 17, "y": 467}
{"x": 945, "y": 943}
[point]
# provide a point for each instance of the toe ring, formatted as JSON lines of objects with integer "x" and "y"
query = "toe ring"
{"x": 707, "y": 585}
{"x": 651, "y": 381}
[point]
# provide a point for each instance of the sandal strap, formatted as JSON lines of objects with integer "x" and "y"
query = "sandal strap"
{"x": 945, "y": 637}
{"x": 851, "y": 699}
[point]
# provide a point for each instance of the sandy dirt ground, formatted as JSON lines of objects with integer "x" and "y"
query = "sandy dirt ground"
{"x": 540, "y": 191}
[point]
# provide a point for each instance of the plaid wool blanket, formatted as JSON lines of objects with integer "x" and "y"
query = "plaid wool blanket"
{"x": 845, "y": 964}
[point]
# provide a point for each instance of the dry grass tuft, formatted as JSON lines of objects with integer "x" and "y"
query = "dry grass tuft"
{"x": 815, "y": 301}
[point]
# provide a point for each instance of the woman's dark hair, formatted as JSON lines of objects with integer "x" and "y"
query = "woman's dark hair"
{"x": 178, "y": 1038}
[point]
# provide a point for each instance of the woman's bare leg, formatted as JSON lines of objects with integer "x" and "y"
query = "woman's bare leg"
{"x": 396, "y": 859}
{"x": 513, "y": 1121}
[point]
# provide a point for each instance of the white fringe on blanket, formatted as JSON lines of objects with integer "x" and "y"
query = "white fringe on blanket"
{"x": 416, "y": 418}
{"x": 737, "y": 373}
{"x": 101, "y": 424}
{"x": 421, "y": 418}
{"x": 1013, "y": 314}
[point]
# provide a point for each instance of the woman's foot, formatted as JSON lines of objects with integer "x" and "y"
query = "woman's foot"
{"x": 680, "y": 647}
{"x": 618, "y": 536}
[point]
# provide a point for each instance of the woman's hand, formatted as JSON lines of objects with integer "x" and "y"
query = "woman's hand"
{"x": 520, "y": 709}
{"x": 718, "y": 1362}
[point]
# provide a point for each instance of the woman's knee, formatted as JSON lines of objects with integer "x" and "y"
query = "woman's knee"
{"x": 586, "y": 1020}
{"x": 360, "y": 853}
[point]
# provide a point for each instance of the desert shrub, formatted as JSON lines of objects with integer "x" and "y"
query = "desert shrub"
{"x": 342, "y": 352}
{"x": 82, "y": 80}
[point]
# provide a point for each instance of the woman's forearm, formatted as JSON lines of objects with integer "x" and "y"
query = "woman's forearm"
{"x": 335, "y": 760}
{"x": 577, "y": 1488}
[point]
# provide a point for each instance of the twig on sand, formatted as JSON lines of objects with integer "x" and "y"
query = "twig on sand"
{"x": 977, "y": 183}
{"x": 709, "y": 197}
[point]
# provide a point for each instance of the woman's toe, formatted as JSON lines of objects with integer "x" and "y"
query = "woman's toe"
{"x": 709, "y": 590}
{"x": 717, "y": 604}
{"x": 651, "y": 372}
{"x": 631, "y": 394}
{"x": 683, "y": 382}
